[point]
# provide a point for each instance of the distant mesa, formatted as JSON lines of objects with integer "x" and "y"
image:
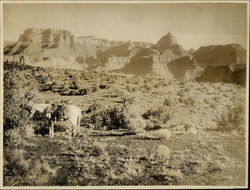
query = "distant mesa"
{"x": 60, "y": 48}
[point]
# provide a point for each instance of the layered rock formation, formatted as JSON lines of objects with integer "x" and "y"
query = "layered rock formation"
{"x": 47, "y": 44}
{"x": 220, "y": 55}
{"x": 60, "y": 48}
{"x": 160, "y": 58}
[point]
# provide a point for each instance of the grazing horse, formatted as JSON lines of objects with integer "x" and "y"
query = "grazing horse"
{"x": 71, "y": 113}
{"x": 54, "y": 113}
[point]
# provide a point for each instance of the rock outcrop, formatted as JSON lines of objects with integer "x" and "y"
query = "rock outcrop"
{"x": 179, "y": 66}
{"x": 220, "y": 55}
{"x": 141, "y": 63}
{"x": 235, "y": 73}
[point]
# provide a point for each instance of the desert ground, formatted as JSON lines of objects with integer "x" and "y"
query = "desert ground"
{"x": 135, "y": 130}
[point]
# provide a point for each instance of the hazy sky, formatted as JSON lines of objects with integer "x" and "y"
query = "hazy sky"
{"x": 193, "y": 25}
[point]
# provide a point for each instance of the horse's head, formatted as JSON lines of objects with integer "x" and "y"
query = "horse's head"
{"x": 60, "y": 113}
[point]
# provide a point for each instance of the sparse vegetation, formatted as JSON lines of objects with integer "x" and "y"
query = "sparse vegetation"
{"x": 148, "y": 132}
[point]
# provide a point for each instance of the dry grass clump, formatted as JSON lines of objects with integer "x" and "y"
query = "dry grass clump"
{"x": 147, "y": 86}
{"x": 15, "y": 163}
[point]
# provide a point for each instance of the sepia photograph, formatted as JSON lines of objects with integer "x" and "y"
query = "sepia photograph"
{"x": 122, "y": 94}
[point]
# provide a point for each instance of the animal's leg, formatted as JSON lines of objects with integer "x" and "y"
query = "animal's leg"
{"x": 52, "y": 129}
{"x": 49, "y": 131}
{"x": 74, "y": 132}
{"x": 78, "y": 123}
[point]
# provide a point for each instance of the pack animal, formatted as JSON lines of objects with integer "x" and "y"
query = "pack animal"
{"x": 53, "y": 114}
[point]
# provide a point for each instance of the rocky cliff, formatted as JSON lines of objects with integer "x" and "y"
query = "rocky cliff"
{"x": 48, "y": 44}
{"x": 53, "y": 42}
{"x": 60, "y": 48}
{"x": 220, "y": 55}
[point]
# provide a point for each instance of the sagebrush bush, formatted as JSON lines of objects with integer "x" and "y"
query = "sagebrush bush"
{"x": 158, "y": 116}
{"x": 12, "y": 135}
{"x": 112, "y": 118}
{"x": 124, "y": 116}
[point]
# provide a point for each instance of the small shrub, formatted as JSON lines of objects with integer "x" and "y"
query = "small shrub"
{"x": 157, "y": 85}
{"x": 168, "y": 102}
{"x": 128, "y": 100}
{"x": 131, "y": 88}
{"x": 159, "y": 116}
{"x": 191, "y": 101}
{"x": 12, "y": 135}
{"x": 94, "y": 88}
{"x": 206, "y": 101}
{"x": 186, "y": 89}
{"x": 147, "y": 86}
{"x": 100, "y": 147}
{"x": 181, "y": 93}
